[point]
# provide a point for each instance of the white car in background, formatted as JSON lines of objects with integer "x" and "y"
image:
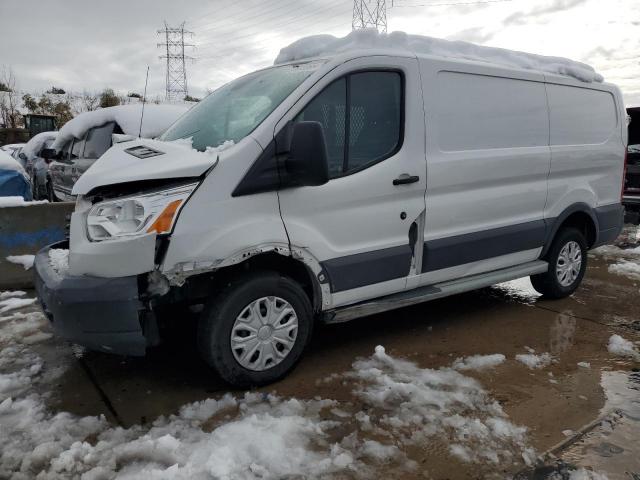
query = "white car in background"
{"x": 84, "y": 139}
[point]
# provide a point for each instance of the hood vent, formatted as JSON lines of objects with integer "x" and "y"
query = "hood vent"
{"x": 143, "y": 152}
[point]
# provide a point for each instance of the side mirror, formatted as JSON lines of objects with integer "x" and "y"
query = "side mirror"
{"x": 307, "y": 162}
{"x": 48, "y": 153}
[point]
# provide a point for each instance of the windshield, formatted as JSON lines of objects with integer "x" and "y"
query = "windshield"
{"x": 236, "y": 109}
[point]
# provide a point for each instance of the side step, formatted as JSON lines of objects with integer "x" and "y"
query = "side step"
{"x": 431, "y": 292}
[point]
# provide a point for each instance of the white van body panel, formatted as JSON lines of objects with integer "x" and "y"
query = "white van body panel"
{"x": 487, "y": 164}
{"x": 214, "y": 226}
{"x": 360, "y": 213}
{"x": 587, "y": 145}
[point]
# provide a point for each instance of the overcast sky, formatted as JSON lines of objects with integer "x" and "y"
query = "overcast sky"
{"x": 89, "y": 44}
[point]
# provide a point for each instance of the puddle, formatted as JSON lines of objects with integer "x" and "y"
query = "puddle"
{"x": 612, "y": 447}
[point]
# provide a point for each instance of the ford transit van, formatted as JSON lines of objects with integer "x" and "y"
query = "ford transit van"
{"x": 327, "y": 189}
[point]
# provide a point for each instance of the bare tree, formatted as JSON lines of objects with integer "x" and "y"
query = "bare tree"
{"x": 9, "y": 100}
{"x": 88, "y": 102}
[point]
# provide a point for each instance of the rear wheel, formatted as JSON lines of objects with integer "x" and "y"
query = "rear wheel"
{"x": 567, "y": 260}
{"x": 253, "y": 332}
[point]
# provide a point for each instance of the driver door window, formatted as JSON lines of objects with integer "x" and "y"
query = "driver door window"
{"x": 369, "y": 130}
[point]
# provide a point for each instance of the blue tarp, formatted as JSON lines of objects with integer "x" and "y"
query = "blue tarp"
{"x": 14, "y": 184}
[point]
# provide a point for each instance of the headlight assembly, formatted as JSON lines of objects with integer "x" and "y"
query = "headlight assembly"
{"x": 137, "y": 215}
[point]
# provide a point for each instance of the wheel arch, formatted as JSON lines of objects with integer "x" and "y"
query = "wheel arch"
{"x": 291, "y": 263}
{"x": 580, "y": 216}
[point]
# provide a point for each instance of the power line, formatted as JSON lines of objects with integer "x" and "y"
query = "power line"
{"x": 176, "y": 76}
{"x": 450, "y": 4}
{"x": 287, "y": 21}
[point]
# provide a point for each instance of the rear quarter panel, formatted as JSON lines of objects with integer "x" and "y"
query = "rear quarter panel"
{"x": 587, "y": 144}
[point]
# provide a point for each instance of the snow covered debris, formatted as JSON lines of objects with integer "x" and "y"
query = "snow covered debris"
{"x": 59, "y": 260}
{"x": 533, "y": 361}
{"x": 622, "y": 347}
{"x": 584, "y": 364}
{"x": 35, "y": 145}
{"x": 18, "y": 202}
{"x": 479, "y": 362}
{"x": 157, "y": 118}
{"x": 370, "y": 39}
{"x": 25, "y": 260}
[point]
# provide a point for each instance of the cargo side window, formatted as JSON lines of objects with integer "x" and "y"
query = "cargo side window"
{"x": 98, "y": 141}
{"x": 369, "y": 130}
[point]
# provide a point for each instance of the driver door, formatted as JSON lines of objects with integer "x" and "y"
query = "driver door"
{"x": 361, "y": 225}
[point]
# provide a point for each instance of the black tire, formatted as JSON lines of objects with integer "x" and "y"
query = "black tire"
{"x": 548, "y": 283}
{"x": 220, "y": 313}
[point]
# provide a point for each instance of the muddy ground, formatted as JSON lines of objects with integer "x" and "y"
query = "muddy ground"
{"x": 587, "y": 416}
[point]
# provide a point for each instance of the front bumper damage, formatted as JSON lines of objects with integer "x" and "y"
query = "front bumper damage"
{"x": 103, "y": 314}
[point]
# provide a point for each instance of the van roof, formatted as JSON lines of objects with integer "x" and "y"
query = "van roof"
{"x": 370, "y": 42}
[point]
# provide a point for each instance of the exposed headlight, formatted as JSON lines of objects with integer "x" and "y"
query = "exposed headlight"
{"x": 132, "y": 216}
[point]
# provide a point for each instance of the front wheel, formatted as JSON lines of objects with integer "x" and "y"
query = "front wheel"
{"x": 567, "y": 260}
{"x": 253, "y": 332}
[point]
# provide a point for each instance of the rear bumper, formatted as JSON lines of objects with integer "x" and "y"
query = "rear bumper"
{"x": 610, "y": 223}
{"x": 101, "y": 314}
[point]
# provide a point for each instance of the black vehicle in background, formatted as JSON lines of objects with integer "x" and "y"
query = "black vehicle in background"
{"x": 631, "y": 193}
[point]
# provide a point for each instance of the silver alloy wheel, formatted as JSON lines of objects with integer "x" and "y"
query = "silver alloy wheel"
{"x": 569, "y": 263}
{"x": 264, "y": 333}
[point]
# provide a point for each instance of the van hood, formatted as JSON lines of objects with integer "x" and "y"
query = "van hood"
{"x": 145, "y": 159}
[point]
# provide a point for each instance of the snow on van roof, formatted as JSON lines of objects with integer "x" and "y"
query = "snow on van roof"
{"x": 32, "y": 148}
{"x": 157, "y": 118}
{"x": 367, "y": 39}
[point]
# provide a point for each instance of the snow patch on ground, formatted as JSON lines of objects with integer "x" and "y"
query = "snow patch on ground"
{"x": 622, "y": 347}
{"x": 16, "y": 201}
{"x": 367, "y": 39}
{"x": 478, "y": 362}
{"x": 13, "y": 303}
{"x": 59, "y": 260}
{"x": 12, "y": 293}
{"x": 25, "y": 260}
{"x": 519, "y": 289}
{"x": 256, "y": 435}
{"x": 414, "y": 406}
{"x": 534, "y": 361}
{"x": 627, "y": 268}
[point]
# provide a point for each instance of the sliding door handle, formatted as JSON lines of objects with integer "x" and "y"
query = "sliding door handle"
{"x": 405, "y": 179}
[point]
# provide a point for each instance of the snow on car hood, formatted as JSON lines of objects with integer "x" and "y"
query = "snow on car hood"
{"x": 145, "y": 159}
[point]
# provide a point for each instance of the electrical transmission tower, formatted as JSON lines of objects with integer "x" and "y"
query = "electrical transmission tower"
{"x": 176, "y": 70}
{"x": 370, "y": 14}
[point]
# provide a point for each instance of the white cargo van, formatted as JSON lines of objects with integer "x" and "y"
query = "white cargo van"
{"x": 328, "y": 189}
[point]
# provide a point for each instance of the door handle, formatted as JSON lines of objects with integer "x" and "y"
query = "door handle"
{"x": 405, "y": 179}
